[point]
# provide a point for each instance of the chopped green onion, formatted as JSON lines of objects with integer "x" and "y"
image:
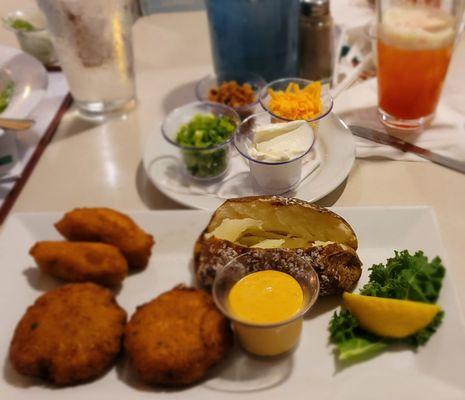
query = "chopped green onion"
{"x": 204, "y": 131}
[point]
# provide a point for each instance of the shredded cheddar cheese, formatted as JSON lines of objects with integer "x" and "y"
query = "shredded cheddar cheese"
{"x": 295, "y": 103}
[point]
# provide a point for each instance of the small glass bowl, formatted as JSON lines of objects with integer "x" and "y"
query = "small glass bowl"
{"x": 203, "y": 164}
{"x": 273, "y": 177}
{"x": 282, "y": 84}
{"x": 204, "y": 86}
{"x": 37, "y": 42}
{"x": 267, "y": 339}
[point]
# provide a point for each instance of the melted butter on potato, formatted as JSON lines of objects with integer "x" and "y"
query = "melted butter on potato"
{"x": 231, "y": 229}
{"x": 269, "y": 244}
{"x": 251, "y": 232}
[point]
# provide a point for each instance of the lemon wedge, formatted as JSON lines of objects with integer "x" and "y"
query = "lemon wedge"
{"x": 390, "y": 317}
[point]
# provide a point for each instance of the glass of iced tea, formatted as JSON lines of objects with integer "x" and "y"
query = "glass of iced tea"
{"x": 415, "y": 43}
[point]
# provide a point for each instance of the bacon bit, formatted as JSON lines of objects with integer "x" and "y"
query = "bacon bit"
{"x": 295, "y": 103}
{"x": 232, "y": 94}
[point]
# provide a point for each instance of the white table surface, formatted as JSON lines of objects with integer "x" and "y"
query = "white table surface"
{"x": 89, "y": 165}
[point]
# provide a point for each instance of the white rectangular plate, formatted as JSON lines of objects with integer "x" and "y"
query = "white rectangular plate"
{"x": 434, "y": 372}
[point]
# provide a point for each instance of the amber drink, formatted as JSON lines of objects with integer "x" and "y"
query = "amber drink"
{"x": 415, "y": 43}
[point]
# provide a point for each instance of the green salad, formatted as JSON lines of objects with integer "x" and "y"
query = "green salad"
{"x": 202, "y": 132}
{"x": 404, "y": 277}
{"x": 6, "y": 95}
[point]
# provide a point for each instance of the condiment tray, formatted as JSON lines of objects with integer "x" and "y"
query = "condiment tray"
{"x": 325, "y": 168}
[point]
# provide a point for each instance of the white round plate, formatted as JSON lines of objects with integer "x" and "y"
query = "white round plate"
{"x": 29, "y": 77}
{"x": 335, "y": 147}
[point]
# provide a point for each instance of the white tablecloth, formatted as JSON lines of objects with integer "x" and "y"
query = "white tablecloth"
{"x": 358, "y": 105}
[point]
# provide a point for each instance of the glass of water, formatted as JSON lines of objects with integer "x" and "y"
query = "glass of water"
{"x": 94, "y": 46}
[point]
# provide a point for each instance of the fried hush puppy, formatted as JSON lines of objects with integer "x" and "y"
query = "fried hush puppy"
{"x": 108, "y": 226}
{"x": 174, "y": 339}
{"x": 69, "y": 335}
{"x": 81, "y": 261}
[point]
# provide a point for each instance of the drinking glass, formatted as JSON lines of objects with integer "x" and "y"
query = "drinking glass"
{"x": 415, "y": 43}
{"x": 93, "y": 43}
{"x": 259, "y": 36}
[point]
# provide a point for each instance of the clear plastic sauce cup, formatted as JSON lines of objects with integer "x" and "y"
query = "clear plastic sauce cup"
{"x": 272, "y": 177}
{"x": 275, "y": 338}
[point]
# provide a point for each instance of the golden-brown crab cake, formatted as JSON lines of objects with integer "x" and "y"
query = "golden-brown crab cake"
{"x": 175, "y": 338}
{"x": 69, "y": 335}
{"x": 81, "y": 261}
{"x": 108, "y": 226}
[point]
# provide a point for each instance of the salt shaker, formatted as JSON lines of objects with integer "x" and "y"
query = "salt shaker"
{"x": 316, "y": 47}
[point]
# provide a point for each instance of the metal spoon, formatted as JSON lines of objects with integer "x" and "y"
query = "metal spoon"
{"x": 16, "y": 124}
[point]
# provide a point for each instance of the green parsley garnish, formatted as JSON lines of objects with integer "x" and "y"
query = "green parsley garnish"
{"x": 404, "y": 277}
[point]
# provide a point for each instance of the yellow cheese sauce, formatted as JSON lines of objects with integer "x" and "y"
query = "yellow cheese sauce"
{"x": 265, "y": 297}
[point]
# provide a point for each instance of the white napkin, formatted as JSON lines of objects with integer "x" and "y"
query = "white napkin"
{"x": 446, "y": 136}
{"x": 352, "y": 14}
{"x": 21, "y": 145}
{"x": 168, "y": 171}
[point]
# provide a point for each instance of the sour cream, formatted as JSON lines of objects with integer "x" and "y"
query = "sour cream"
{"x": 281, "y": 142}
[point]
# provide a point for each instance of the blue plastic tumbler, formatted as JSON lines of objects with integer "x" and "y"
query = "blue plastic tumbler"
{"x": 259, "y": 36}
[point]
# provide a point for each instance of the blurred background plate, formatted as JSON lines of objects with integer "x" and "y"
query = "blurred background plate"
{"x": 30, "y": 81}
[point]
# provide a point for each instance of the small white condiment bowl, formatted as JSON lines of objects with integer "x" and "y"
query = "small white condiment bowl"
{"x": 272, "y": 177}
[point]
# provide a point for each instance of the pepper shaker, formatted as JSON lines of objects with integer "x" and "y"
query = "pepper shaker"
{"x": 316, "y": 45}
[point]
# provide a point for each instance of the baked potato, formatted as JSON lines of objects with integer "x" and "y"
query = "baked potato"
{"x": 278, "y": 224}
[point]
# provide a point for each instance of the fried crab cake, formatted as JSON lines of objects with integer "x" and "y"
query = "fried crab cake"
{"x": 81, "y": 262}
{"x": 69, "y": 335}
{"x": 174, "y": 339}
{"x": 108, "y": 226}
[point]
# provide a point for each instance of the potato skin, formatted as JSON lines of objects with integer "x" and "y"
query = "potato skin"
{"x": 108, "y": 226}
{"x": 81, "y": 261}
{"x": 338, "y": 268}
{"x": 174, "y": 339}
{"x": 337, "y": 265}
{"x": 69, "y": 335}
